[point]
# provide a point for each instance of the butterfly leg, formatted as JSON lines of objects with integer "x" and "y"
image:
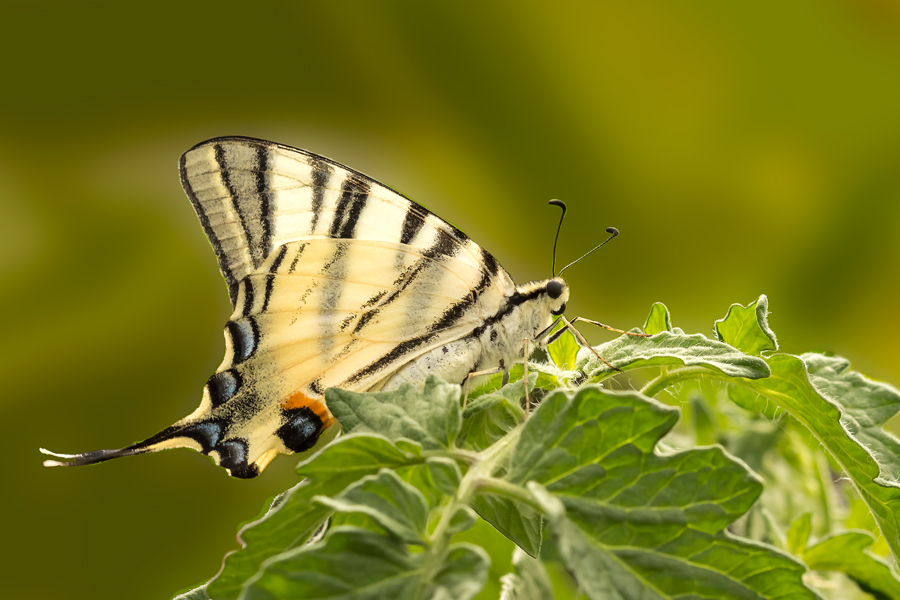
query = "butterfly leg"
{"x": 472, "y": 374}
{"x": 526, "y": 352}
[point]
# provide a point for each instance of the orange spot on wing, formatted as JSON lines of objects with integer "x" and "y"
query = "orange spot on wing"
{"x": 317, "y": 405}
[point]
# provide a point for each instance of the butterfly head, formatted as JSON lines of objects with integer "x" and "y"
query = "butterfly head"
{"x": 556, "y": 294}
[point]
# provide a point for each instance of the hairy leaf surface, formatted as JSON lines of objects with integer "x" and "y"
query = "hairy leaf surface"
{"x": 294, "y": 517}
{"x": 846, "y": 552}
{"x": 866, "y": 406}
{"x": 362, "y": 565}
{"x": 431, "y": 417}
{"x": 634, "y": 524}
{"x": 658, "y": 320}
{"x": 747, "y": 328}
{"x": 669, "y": 348}
{"x": 396, "y": 505}
{"x": 791, "y": 389}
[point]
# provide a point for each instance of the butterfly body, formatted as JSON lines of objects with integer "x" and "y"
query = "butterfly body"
{"x": 335, "y": 280}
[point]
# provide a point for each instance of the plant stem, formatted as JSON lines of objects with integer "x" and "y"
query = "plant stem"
{"x": 508, "y": 490}
{"x": 487, "y": 464}
{"x": 674, "y": 376}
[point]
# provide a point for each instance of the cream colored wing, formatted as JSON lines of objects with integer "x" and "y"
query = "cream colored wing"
{"x": 253, "y": 196}
{"x": 336, "y": 280}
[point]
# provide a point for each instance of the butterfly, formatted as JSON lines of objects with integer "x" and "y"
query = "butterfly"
{"x": 335, "y": 280}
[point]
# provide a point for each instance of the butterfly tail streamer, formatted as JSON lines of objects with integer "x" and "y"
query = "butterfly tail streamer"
{"x": 171, "y": 437}
{"x": 86, "y": 458}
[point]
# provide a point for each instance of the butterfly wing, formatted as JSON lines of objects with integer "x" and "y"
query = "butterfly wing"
{"x": 252, "y": 196}
{"x": 336, "y": 280}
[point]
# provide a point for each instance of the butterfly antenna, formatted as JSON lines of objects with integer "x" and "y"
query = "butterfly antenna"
{"x": 562, "y": 205}
{"x": 610, "y": 230}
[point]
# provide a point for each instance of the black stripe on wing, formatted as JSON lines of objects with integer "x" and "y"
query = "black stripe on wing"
{"x": 352, "y": 201}
{"x": 449, "y": 318}
{"x": 322, "y": 170}
{"x": 221, "y": 257}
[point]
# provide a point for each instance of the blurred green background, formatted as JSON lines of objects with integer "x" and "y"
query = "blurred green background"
{"x": 740, "y": 147}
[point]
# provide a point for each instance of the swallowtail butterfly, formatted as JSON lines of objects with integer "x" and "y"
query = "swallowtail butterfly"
{"x": 335, "y": 280}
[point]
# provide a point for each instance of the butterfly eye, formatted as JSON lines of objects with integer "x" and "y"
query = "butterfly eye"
{"x": 561, "y": 310}
{"x": 554, "y": 289}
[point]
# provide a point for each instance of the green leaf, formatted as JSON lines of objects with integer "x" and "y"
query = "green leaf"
{"x": 421, "y": 477}
{"x": 866, "y": 406}
{"x": 355, "y": 455}
{"x": 445, "y": 474}
{"x": 362, "y": 565}
{"x": 549, "y": 377}
{"x": 751, "y": 400}
{"x": 703, "y": 421}
{"x": 791, "y": 389}
{"x": 360, "y": 520}
{"x": 462, "y": 520}
{"x": 488, "y": 418}
{"x": 658, "y": 320}
{"x": 633, "y": 524}
{"x": 665, "y": 348}
{"x": 564, "y": 350}
{"x": 845, "y": 552}
{"x": 430, "y": 417}
{"x": 194, "y": 594}
{"x": 498, "y": 547}
{"x": 747, "y": 329}
{"x": 798, "y": 534}
{"x": 294, "y": 517}
{"x": 396, "y": 505}
{"x": 529, "y": 582}
{"x": 517, "y": 521}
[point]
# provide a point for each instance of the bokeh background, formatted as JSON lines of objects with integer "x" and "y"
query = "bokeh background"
{"x": 740, "y": 147}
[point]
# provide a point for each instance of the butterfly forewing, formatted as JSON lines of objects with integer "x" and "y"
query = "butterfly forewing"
{"x": 253, "y": 196}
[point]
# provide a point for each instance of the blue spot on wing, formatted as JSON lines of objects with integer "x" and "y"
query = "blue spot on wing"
{"x": 244, "y": 339}
{"x": 223, "y": 387}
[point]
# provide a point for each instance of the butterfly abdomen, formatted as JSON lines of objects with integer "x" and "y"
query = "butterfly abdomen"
{"x": 451, "y": 362}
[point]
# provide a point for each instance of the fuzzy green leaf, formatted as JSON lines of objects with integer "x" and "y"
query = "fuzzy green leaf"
{"x": 194, "y": 594}
{"x": 666, "y": 348}
{"x": 747, "y": 329}
{"x": 658, "y": 320}
{"x": 294, "y": 517}
{"x": 564, "y": 350}
{"x": 358, "y": 564}
{"x": 845, "y": 552}
{"x": 544, "y": 376}
{"x": 463, "y": 519}
{"x": 703, "y": 421}
{"x": 396, "y": 505}
{"x": 462, "y": 575}
{"x": 633, "y": 524}
{"x": 421, "y": 477}
{"x": 430, "y": 417}
{"x": 866, "y": 406}
{"x": 445, "y": 474}
{"x": 348, "y": 519}
{"x": 753, "y": 401}
{"x": 488, "y": 418}
{"x": 529, "y": 582}
{"x": 798, "y": 534}
{"x": 517, "y": 521}
{"x": 791, "y": 389}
